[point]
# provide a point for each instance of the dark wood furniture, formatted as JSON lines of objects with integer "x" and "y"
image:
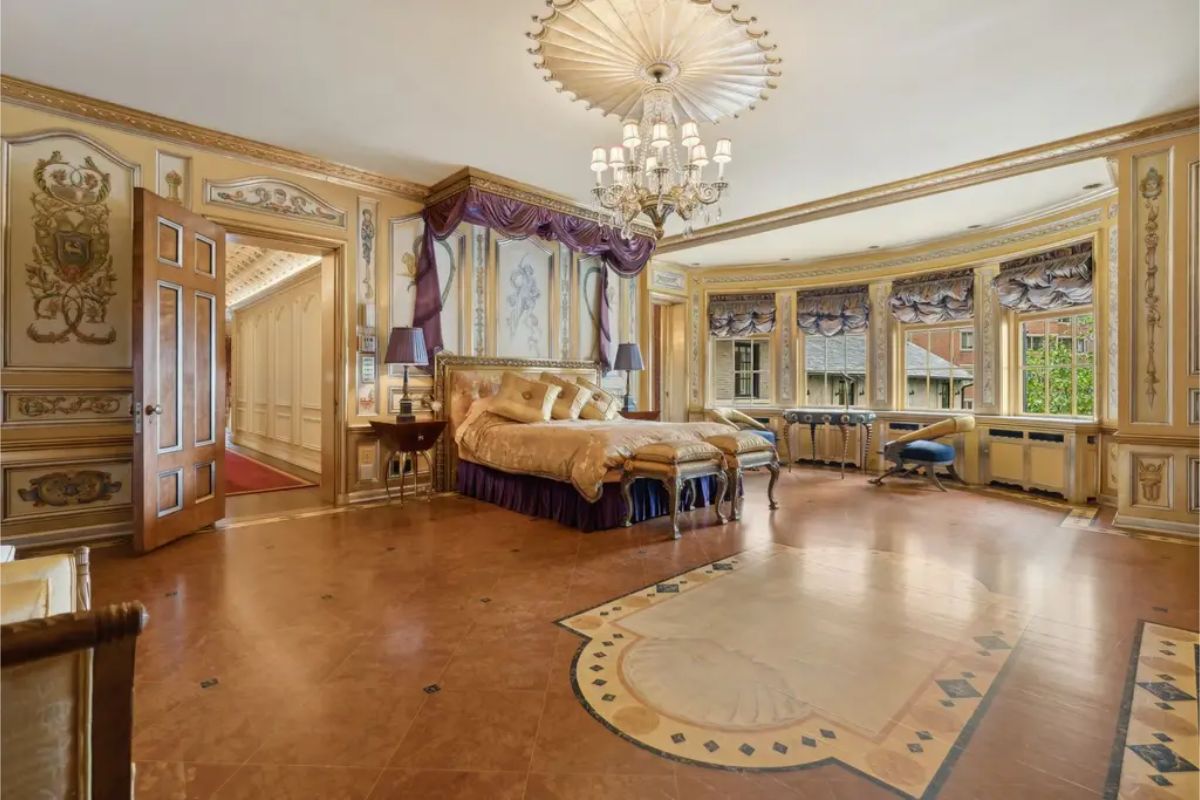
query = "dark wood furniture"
{"x": 651, "y": 416}
{"x": 92, "y": 698}
{"x": 410, "y": 438}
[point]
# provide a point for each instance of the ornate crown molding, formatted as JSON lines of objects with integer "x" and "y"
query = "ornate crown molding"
{"x": 1017, "y": 162}
{"x": 470, "y": 177}
{"x": 1085, "y": 219}
{"x": 26, "y": 93}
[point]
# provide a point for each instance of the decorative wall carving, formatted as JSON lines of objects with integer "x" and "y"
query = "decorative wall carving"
{"x": 61, "y": 489}
{"x": 564, "y": 301}
{"x": 1114, "y": 338}
{"x": 786, "y": 357}
{"x": 524, "y": 288}
{"x": 1151, "y": 188}
{"x": 1150, "y": 295}
{"x": 39, "y": 490}
{"x": 988, "y": 343}
{"x": 588, "y": 333}
{"x": 1002, "y": 240}
{"x": 667, "y": 280}
{"x": 366, "y": 231}
{"x": 694, "y": 354}
{"x": 68, "y": 202}
{"x": 274, "y": 197}
{"x": 480, "y": 266}
{"x": 1152, "y": 480}
{"x": 880, "y": 320}
{"x": 174, "y": 179}
{"x": 66, "y": 407}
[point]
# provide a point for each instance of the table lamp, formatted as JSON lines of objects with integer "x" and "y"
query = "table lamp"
{"x": 406, "y": 346}
{"x": 629, "y": 358}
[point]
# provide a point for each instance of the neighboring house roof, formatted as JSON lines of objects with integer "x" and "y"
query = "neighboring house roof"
{"x": 855, "y": 348}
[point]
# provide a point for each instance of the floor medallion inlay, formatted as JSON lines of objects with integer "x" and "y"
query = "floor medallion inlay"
{"x": 784, "y": 658}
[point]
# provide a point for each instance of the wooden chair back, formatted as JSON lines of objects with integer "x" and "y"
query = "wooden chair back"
{"x": 66, "y": 704}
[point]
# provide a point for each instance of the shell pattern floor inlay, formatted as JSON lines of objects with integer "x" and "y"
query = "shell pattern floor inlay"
{"x": 1157, "y": 751}
{"x": 783, "y": 658}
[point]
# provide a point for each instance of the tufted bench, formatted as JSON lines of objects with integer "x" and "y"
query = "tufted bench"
{"x": 743, "y": 450}
{"x": 673, "y": 463}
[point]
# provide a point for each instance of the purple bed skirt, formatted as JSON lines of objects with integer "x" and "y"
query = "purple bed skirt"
{"x": 551, "y": 499}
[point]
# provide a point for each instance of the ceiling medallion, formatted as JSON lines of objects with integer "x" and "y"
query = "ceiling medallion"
{"x": 663, "y": 67}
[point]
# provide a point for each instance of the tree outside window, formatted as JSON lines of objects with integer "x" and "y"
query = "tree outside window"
{"x": 1058, "y": 365}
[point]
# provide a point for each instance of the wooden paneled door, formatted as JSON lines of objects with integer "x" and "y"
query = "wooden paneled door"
{"x": 179, "y": 371}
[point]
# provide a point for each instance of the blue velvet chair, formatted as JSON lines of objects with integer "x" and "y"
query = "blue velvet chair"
{"x": 918, "y": 451}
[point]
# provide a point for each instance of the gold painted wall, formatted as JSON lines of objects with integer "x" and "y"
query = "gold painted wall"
{"x": 67, "y": 389}
{"x": 1157, "y": 469}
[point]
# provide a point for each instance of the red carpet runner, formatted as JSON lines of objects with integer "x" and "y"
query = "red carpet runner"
{"x": 244, "y": 475}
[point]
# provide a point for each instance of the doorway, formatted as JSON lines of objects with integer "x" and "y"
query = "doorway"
{"x": 280, "y": 342}
{"x": 668, "y": 358}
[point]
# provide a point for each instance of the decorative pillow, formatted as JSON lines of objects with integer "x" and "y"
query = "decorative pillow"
{"x": 524, "y": 400}
{"x": 602, "y": 405}
{"x": 571, "y": 400}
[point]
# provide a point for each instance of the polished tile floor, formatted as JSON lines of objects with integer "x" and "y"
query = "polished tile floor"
{"x": 413, "y": 653}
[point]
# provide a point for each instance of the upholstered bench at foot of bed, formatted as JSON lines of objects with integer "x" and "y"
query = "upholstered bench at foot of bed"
{"x": 742, "y": 450}
{"x": 674, "y": 464}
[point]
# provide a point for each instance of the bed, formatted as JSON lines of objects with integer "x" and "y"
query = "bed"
{"x": 568, "y": 471}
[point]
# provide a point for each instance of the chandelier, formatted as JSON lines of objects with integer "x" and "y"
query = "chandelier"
{"x": 663, "y": 67}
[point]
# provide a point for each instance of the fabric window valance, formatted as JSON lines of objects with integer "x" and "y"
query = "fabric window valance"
{"x": 512, "y": 217}
{"x": 948, "y": 297}
{"x": 1059, "y": 279}
{"x": 741, "y": 314}
{"x": 833, "y": 311}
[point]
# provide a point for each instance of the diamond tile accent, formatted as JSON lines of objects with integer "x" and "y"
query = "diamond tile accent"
{"x": 1161, "y": 780}
{"x": 678, "y": 738}
{"x": 947, "y": 703}
{"x": 432, "y": 688}
{"x": 722, "y": 567}
{"x": 601, "y": 654}
{"x": 828, "y": 734}
{"x": 667, "y": 588}
{"x": 808, "y": 741}
{"x": 711, "y": 746}
{"x": 1165, "y": 676}
{"x": 1165, "y": 691}
{"x": 326, "y": 597}
{"x": 924, "y": 736}
{"x": 780, "y": 747}
{"x": 485, "y": 599}
{"x": 608, "y": 698}
{"x": 607, "y": 644}
{"x": 1165, "y": 706}
{"x": 599, "y": 682}
{"x": 958, "y": 688}
{"x": 618, "y": 636}
{"x": 208, "y": 683}
{"x": 968, "y": 674}
{"x": 993, "y": 643}
{"x": 596, "y": 668}
{"x": 1162, "y": 758}
{"x": 1162, "y": 737}
{"x": 913, "y": 747}
{"x": 746, "y": 750}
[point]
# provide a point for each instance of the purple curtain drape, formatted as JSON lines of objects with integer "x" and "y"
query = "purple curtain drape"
{"x": 516, "y": 218}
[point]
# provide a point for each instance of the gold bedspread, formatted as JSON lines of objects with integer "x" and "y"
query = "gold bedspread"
{"x": 580, "y": 452}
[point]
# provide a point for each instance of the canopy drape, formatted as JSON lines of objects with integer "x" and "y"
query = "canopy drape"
{"x": 947, "y": 297}
{"x": 831, "y": 312}
{"x": 741, "y": 314}
{"x": 518, "y": 218}
{"x": 1052, "y": 281}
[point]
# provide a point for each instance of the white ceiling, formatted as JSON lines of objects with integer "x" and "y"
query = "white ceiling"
{"x": 909, "y": 222}
{"x": 871, "y": 91}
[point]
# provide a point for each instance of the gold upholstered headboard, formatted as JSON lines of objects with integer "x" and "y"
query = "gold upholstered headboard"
{"x": 459, "y": 380}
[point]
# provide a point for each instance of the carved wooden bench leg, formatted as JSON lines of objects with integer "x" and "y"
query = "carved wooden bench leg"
{"x": 774, "y": 468}
{"x": 626, "y": 481}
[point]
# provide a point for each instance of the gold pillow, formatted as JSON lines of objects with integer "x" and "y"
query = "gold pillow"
{"x": 524, "y": 400}
{"x": 602, "y": 405}
{"x": 570, "y": 401}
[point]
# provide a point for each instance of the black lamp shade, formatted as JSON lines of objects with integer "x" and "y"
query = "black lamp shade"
{"x": 406, "y": 346}
{"x": 629, "y": 357}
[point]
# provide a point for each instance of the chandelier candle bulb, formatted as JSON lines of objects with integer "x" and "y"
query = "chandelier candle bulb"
{"x": 616, "y": 157}
{"x": 689, "y": 134}
{"x": 724, "y": 152}
{"x": 598, "y": 163}
{"x": 700, "y": 156}
{"x": 660, "y": 136}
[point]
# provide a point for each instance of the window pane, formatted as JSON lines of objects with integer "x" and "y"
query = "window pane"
{"x": 916, "y": 362}
{"x": 827, "y": 359}
{"x": 1060, "y": 390}
{"x": 1034, "y": 392}
{"x": 1085, "y": 392}
{"x": 1033, "y": 343}
{"x": 1059, "y": 338}
{"x": 1085, "y": 338}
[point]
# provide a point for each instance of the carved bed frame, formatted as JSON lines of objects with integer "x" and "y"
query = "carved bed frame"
{"x": 460, "y": 379}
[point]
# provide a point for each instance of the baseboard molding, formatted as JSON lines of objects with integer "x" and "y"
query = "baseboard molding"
{"x": 1186, "y": 530}
{"x": 90, "y": 534}
{"x": 292, "y": 454}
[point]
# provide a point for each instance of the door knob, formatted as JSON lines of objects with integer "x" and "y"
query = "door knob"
{"x": 153, "y": 409}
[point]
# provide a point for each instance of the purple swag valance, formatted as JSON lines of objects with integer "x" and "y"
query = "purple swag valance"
{"x": 516, "y": 218}
{"x": 741, "y": 314}
{"x": 829, "y": 312}
{"x": 938, "y": 298}
{"x": 1047, "y": 281}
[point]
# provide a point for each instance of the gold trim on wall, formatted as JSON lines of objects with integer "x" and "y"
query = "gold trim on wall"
{"x": 1017, "y": 162}
{"x": 27, "y": 93}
